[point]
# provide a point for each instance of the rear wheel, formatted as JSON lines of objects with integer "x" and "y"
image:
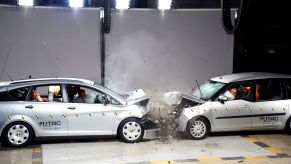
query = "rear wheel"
{"x": 17, "y": 134}
{"x": 130, "y": 130}
{"x": 197, "y": 128}
{"x": 288, "y": 126}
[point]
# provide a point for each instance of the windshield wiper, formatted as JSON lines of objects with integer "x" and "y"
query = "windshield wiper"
{"x": 199, "y": 89}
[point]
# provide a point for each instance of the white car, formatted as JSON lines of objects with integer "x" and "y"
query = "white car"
{"x": 68, "y": 107}
{"x": 237, "y": 102}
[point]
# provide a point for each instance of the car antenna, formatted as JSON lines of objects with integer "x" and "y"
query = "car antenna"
{"x": 199, "y": 88}
{"x": 9, "y": 77}
{"x": 29, "y": 76}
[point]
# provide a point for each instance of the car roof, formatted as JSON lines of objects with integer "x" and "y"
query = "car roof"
{"x": 57, "y": 79}
{"x": 248, "y": 76}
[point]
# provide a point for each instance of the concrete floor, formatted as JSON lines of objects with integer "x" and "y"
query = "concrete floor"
{"x": 217, "y": 148}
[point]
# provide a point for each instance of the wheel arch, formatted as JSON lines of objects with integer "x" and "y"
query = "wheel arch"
{"x": 5, "y": 140}
{"x": 135, "y": 117}
{"x": 201, "y": 116}
{"x": 132, "y": 135}
{"x": 126, "y": 115}
{"x": 14, "y": 119}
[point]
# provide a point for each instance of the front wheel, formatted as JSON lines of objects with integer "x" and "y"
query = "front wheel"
{"x": 197, "y": 128}
{"x": 131, "y": 130}
{"x": 17, "y": 134}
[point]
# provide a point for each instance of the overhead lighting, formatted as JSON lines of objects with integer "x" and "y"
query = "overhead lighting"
{"x": 76, "y": 3}
{"x": 164, "y": 4}
{"x": 122, "y": 4}
{"x": 25, "y": 2}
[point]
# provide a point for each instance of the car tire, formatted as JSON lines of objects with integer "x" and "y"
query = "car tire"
{"x": 197, "y": 128}
{"x": 130, "y": 130}
{"x": 17, "y": 134}
{"x": 288, "y": 126}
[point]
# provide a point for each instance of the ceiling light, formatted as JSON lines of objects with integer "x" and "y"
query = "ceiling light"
{"x": 76, "y": 3}
{"x": 122, "y": 4}
{"x": 25, "y": 2}
{"x": 164, "y": 4}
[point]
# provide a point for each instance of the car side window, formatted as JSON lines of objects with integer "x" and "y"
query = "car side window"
{"x": 268, "y": 90}
{"x": 241, "y": 91}
{"x": 288, "y": 87}
{"x": 114, "y": 102}
{"x": 19, "y": 94}
{"x": 46, "y": 93}
{"x": 81, "y": 94}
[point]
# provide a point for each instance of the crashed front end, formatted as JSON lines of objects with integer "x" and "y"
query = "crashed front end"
{"x": 139, "y": 98}
{"x": 179, "y": 115}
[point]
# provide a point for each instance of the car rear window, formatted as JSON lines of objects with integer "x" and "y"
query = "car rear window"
{"x": 19, "y": 94}
{"x": 4, "y": 96}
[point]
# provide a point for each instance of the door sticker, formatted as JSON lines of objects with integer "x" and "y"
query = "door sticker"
{"x": 269, "y": 120}
{"x": 50, "y": 125}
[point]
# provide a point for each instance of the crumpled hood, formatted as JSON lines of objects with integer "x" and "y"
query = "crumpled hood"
{"x": 176, "y": 98}
{"x": 178, "y": 101}
{"x": 136, "y": 97}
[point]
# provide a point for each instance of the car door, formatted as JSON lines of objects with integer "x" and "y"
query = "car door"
{"x": 12, "y": 101}
{"x": 271, "y": 106}
{"x": 90, "y": 115}
{"x": 233, "y": 114}
{"x": 49, "y": 114}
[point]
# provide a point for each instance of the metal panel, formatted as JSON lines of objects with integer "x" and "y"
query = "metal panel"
{"x": 49, "y": 42}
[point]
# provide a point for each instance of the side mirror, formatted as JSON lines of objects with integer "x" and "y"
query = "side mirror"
{"x": 222, "y": 99}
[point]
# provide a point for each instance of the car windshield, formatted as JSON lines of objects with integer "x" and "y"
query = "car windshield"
{"x": 117, "y": 95}
{"x": 208, "y": 89}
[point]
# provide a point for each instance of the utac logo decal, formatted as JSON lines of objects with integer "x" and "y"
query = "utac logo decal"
{"x": 50, "y": 123}
{"x": 268, "y": 119}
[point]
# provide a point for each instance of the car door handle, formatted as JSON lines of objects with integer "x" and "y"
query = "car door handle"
{"x": 29, "y": 106}
{"x": 72, "y": 108}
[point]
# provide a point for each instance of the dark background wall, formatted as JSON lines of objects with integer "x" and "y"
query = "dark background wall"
{"x": 264, "y": 45}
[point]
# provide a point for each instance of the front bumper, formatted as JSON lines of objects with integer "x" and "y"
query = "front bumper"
{"x": 182, "y": 123}
{"x": 152, "y": 129}
{"x": 148, "y": 123}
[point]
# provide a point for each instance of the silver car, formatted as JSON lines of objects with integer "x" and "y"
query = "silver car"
{"x": 237, "y": 102}
{"x": 67, "y": 107}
